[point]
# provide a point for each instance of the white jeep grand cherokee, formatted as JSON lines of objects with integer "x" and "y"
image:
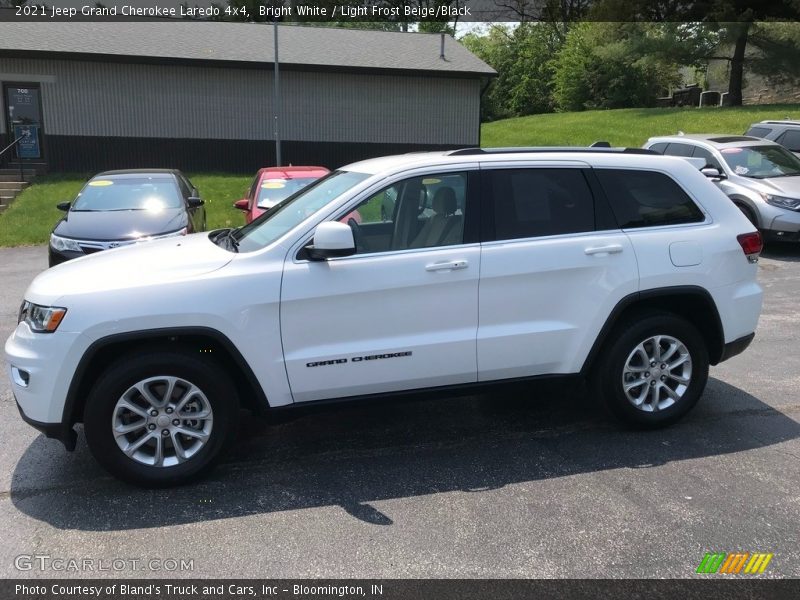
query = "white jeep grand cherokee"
{"x": 494, "y": 265}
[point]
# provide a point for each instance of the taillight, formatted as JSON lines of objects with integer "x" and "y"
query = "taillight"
{"x": 751, "y": 244}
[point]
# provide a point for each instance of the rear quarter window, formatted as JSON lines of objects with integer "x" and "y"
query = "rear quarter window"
{"x": 647, "y": 199}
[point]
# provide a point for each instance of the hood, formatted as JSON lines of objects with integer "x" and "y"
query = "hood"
{"x": 780, "y": 186}
{"x": 119, "y": 224}
{"x": 145, "y": 264}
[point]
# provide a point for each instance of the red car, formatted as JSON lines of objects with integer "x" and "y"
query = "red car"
{"x": 274, "y": 184}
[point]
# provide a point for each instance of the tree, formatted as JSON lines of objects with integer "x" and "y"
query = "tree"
{"x": 522, "y": 58}
{"x": 778, "y": 56}
{"x": 732, "y": 24}
{"x": 602, "y": 65}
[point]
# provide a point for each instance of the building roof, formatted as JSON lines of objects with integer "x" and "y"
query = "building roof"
{"x": 243, "y": 43}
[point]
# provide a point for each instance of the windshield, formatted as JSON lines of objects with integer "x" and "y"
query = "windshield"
{"x": 137, "y": 193}
{"x": 761, "y": 162}
{"x": 294, "y": 210}
{"x": 273, "y": 191}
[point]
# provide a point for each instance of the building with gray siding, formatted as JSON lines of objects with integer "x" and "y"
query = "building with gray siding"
{"x": 199, "y": 95}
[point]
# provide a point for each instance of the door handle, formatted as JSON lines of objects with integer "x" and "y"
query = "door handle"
{"x": 610, "y": 249}
{"x": 451, "y": 265}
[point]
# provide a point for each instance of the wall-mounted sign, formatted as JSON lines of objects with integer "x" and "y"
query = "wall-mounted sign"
{"x": 28, "y": 146}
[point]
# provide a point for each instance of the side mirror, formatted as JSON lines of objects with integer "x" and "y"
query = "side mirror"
{"x": 241, "y": 204}
{"x": 331, "y": 239}
{"x": 712, "y": 173}
{"x": 194, "y": 202}
{"x": 63, "y": 206}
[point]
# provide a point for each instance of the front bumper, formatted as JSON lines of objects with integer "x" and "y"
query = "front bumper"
{"x": 56, "y": 257}
{"x": 771, "y": 235}
{"x": 784, "y": 227}
{"x": 57, "y": 431}
{"x": 40, "y": 368}
{"x": 735, "y": 347}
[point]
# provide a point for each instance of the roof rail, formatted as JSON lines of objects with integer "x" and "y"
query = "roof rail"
{"x": 535, "y": 149}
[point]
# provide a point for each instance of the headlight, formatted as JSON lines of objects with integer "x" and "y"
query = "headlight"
{"x": 782, "y": 201}
{"x": 61, "y": 244}
{"x": 41, "y": 319}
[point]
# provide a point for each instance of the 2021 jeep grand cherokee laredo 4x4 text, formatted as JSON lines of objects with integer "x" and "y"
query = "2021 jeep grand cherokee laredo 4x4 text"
{"x": 627, "y": 267}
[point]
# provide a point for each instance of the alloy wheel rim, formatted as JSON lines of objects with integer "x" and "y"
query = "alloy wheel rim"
{"x": 657, "y": 373}
{"x": 162, "y": 421}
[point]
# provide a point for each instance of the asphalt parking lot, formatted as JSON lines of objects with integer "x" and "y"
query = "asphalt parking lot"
{"x": 531, "y": 484}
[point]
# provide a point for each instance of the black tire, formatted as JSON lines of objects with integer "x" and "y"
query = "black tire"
{"x": 205, "y": 374}
{"x": 610, "y": 368}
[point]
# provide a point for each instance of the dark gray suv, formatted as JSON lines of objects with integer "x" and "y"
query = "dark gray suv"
{"x": 785, "y": 132}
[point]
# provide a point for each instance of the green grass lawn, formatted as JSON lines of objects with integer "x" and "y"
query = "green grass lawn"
{"x": 626, "y": 127}
{"x": 33, "y": 214}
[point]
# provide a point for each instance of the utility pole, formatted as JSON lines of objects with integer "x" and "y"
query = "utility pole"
{"x": 276, "y": 98}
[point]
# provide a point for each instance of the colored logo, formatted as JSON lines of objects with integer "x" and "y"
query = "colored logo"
{"x": 735, "y": 563}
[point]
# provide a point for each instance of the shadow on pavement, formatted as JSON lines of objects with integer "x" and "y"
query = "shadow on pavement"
{"x": 354, "y": 456}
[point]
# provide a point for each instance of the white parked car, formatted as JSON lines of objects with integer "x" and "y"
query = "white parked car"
{"x": 626, "y": 267}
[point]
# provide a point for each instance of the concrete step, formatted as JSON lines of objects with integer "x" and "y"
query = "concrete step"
{"x": 27, "y": 166}
{"x": 16, "y": 186}
{"x": 15, "y": 177}
{"x": 11, "y": 168}
{"x": 11, "y": 186}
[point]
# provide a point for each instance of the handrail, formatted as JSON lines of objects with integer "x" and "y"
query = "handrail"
{"x": 11, "y": 145}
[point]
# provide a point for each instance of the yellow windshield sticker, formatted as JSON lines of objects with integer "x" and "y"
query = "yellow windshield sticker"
{"x": 431, "y": 181}
{"x": 101, "y": 183}
{"x": 273, "y": 185}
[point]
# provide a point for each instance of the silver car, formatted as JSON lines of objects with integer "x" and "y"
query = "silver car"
{"x": 761, "y": 177}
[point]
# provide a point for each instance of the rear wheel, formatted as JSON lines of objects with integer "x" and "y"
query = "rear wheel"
{"x": 161, "y": 418}
{"x": 653, "y": 371}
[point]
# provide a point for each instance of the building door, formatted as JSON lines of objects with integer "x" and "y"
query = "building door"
{"x": 24, "y": 119}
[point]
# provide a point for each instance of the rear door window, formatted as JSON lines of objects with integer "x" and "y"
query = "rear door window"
{"x": 538, "y": 202}
{"x": 647, "y": 198}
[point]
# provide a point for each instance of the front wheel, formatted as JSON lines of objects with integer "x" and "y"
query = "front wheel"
{"x": 161, "y": 418}
{"x": 748, "y": 212}
{"x": 653, "y": 371}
